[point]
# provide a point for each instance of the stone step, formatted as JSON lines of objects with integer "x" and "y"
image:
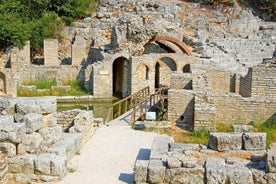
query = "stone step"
{"x": 68, "y": 145}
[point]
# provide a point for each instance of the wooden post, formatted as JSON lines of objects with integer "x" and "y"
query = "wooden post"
{"x": 120, "y": 109}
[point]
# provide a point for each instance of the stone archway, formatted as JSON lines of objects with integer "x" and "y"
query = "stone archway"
{"x": 187, "y": 68}
{"x": 181, "y": 45}
{"x": 121, "y": 77}
{"x": 3, "y": 86}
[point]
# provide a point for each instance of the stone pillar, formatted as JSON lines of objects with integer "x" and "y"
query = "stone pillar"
{"x": 78, "y": 54}
{"x": 51, "y": 52}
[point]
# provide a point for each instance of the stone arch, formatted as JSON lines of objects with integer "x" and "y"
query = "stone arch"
{"x": 3, "y": 85}
{"x": 182, "y": 46}
{"x": 187, "y": 68}
{"x": 143, "y": 72}
{"x": 121, "y": 77}
{"x": 170, "y": 62}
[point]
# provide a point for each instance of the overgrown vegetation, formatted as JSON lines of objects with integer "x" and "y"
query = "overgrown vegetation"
{"x": 35, "y": 20}
{"x": 44, "y": 88}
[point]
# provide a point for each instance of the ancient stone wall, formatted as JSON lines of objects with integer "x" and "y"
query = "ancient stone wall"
{"x": 228, "y": 157}
{"x": 51, "y": 52}
{"x": 181, "y": 107}
{"x": 3, "y": 168}
{"x": 36, "y": 147}
{"x": 66, "y": 119}
{"x": 233, "y": 109}
{"x": 181, "y": 81}
{"x": 265, "y": 88}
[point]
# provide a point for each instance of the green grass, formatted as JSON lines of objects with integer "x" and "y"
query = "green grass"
{"x": 269, "y": 128}
{"x": 41, "y": 84}
{"x": 77, "y": 88}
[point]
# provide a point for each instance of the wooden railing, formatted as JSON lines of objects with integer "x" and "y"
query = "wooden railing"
{"x": 152, "y": 100}
{"x": 117, "y": 109}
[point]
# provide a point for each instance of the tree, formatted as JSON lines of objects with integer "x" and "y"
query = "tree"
{"x": 35, "y": 20}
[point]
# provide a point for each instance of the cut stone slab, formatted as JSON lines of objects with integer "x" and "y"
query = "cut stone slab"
{"x": 184, "y": 147}
{"x": 254, "y": 141}
{"x": 141, "y": 171}
{"x": 225, "y": 141}
{"x": 68, "y": 145}
{"x": 173, "y": 162}
{"x": 185, "y": 175}
{"x": 156, "y": 171}
{"x": 33, "y": 122}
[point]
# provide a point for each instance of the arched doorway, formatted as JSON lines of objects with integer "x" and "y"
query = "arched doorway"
{"x": 121, "y": 77}
{"x": 157, "y": 75}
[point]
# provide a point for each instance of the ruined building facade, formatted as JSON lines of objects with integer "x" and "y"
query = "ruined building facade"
{"x": 218, "y": 63}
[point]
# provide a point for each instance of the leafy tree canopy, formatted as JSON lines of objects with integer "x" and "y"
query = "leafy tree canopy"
{"x": 35, "y": 20}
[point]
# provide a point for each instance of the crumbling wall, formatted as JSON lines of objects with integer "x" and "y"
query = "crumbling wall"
{"x": 36, "y": 147}
{"x": 228, "y": 157}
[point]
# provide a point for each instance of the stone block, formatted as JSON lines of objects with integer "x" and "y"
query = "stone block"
{"x": 141, "y": 171}
{"x": 270, "y": 178}
{"x": 33, "y": 122}
{"x": 43, "y": 105}
{"x": 7, "y": 105}
{"x": 8, "y": 148}
{"x": 188, "y": 162}
{"x": 50, "y": 120}
{"x": 225, "y": 141}
{"x": 68, "y": 145}
{"x": 22, "y": 164}
{"x": 258, "y": 176}
{"x": 184, "y": 147}
{"x": 239, "y": 174}
{"x": 51, "y": 134}
{"x": 31, "y": 143}
{"x": 173, "y": 162}
{"x": 254, "y": 141}
{"x": 216, "y": 175}
{"x": 185, "y": 175}
{"x": 12, "y": 132}
{"x": 51, "y": 164}
{"x": 242, "y": 128}
{"x": 161, "y": 143}
{"x": 271, "y": 158}
{"x": 156, "y": 171}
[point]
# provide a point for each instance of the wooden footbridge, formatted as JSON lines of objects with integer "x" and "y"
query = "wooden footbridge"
{"x": 139, "y": 102}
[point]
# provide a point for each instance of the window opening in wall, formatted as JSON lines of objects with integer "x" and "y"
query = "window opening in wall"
{"x": 147, "y": 73}
{"x": 157, "y": 75}
{"x": 187, "y": 68}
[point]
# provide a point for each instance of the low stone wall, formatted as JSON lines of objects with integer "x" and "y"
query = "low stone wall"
{"x": 234, "y": 158}
{"x": 36, "y": 147}
{"x": 66, "y": 118}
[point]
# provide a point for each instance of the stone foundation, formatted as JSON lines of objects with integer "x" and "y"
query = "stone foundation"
{"x": 171, "y": 162}
{"x": 36, "y": 147}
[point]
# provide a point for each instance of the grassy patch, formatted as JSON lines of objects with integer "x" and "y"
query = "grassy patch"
{"x": 41, "y": 84}
{"x": 44, "y": 88}
{"x": 71, "y": 170}
{"x": 269, "y": 128}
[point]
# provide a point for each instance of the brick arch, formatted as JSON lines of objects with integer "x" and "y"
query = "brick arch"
{"x": 183, "y": 47}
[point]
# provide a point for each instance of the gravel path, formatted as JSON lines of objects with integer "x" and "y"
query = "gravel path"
{"x": 109, "y": 156}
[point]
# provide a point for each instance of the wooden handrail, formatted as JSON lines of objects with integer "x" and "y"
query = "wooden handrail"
{"x": 137, "y": 96}
{"x": 154, "y": 99}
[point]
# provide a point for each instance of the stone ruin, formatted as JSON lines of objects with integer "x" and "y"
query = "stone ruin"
{"x": 36, "y": 142}
{"x": 228, "y": 158}
{"x": 219, "y": 64}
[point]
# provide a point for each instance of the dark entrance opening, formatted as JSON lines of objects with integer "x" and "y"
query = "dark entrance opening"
{"x": 120, "y": 77}
{"x": 157, "y": 75}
